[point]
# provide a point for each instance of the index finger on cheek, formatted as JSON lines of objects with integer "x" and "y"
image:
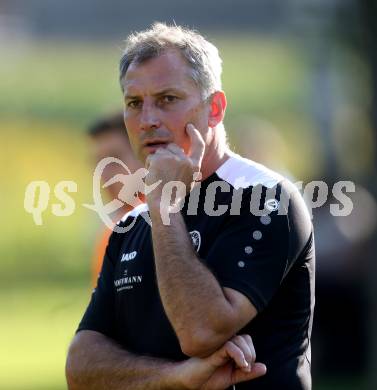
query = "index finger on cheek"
{"x": 197, "y": 144}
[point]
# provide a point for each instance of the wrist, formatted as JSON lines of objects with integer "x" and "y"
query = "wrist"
{"x": 161, "y": 212}
{"x": 175, "y": 380}
{"x": 153, "y": 202}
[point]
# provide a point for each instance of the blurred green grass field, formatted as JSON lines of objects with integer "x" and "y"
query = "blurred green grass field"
{"x": 49, "y": 93}
{"x": 36, "y": 326}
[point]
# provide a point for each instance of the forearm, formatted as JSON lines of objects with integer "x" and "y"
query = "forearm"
{"x": 193, "y": 299}
{"x": 95, "y": 362}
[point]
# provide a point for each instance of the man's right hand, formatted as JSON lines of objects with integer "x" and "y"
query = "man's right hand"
{"x": 231, "y": 364}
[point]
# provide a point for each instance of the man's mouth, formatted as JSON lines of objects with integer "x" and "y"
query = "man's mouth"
{"x": 153, "y": 145}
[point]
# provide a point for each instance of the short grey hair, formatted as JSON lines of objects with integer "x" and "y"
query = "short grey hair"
{"x": 201, "y": 55}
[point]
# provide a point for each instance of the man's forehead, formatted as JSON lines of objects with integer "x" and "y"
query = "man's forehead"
{"x": 172, "y": 58}
{"x": 166, "y": 71}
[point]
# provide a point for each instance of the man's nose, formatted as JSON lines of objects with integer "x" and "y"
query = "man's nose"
{"x": 149, "y": 119}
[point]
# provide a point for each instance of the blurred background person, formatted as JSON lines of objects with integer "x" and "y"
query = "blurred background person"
{"x": 109, "y": 138}
{"x": 259, "y": 140}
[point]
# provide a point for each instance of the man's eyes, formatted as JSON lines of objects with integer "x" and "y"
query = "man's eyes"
{"x": 168, "y": 98}
{"x": 134, "y": 104}
{"x": 165, "y": 99}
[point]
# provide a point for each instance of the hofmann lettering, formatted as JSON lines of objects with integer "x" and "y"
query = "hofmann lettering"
{"x": 128, "y": 281}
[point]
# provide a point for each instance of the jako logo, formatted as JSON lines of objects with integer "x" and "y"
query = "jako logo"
{"x": 128, "y": 256}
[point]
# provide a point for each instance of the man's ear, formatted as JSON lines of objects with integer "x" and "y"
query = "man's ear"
{"x": 217, "y": 108}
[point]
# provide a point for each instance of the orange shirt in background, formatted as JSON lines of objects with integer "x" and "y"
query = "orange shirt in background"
{"x": 99, "y": 254}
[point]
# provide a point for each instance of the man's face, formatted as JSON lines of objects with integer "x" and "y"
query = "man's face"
{"x": 160, "y": 100}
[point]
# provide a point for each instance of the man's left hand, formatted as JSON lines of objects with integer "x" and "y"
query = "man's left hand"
{"x": 231, "y": 364}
